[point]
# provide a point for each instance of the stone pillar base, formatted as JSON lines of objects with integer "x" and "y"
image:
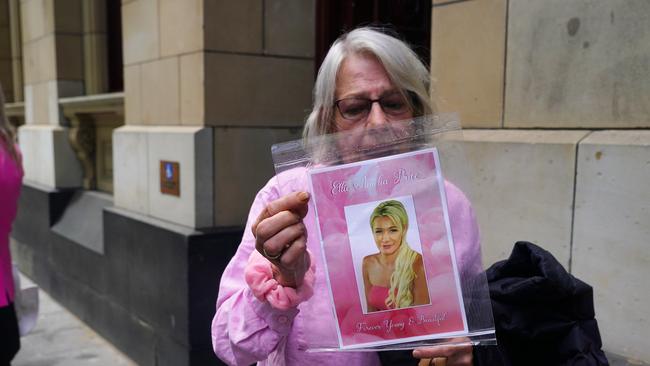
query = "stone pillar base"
{"x": 48, "y": 158}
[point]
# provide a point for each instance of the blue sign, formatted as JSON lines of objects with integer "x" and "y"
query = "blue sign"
{"x": 169, "y": 171}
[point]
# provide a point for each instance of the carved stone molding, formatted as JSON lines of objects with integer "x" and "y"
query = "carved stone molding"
{"x": 92, "y": 119}
{"x": 15, "y": 113}
{"x": 82, "y": 140}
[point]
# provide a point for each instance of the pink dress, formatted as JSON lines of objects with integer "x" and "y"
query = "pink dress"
{"x": 377, "y": 297}
{"x": 246, "y": 330}
{"x": 11, "y": 176}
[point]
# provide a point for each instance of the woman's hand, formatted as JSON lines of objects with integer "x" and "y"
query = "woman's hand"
{"x": 458, "y": 354}
{"x": 281, "y": 237}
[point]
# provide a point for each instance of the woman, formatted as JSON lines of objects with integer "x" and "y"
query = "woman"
{"x": 393, "y": 278}
{"x": 367, "y": 79}
{"x": 10, "y": 180}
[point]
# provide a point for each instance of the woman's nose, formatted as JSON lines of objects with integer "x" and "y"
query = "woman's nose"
{"x": 376, "y": 116}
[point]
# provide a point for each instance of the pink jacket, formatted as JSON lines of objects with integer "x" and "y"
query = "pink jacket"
{"x": 11, "y": 176}
{"x": 246, "y": 330}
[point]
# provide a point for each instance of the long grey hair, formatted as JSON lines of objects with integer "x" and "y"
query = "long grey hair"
{"x": 402, "y": 65}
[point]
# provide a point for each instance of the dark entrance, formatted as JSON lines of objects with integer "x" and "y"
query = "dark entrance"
{"x": 410, "y": 19}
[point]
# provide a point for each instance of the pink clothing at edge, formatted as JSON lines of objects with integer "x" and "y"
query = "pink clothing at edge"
{"x": 246, "y": 330}
{"x": 11, "y": 176}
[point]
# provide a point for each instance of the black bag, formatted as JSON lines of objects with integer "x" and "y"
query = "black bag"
{"x": 542, "y": 314}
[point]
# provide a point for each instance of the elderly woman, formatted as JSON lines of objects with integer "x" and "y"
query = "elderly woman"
{"x": 367, "y": 79}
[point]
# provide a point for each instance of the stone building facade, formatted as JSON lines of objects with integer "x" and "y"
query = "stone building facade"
{"x": 554, "y": 99}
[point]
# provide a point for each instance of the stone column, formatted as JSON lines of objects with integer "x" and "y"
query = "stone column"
{"x": 210, "y": 85}
{"x": 164, "y": 116}
{"x": 53, "y": 68}
{"x": 95, "y": 50}
{"x": 220, "y": 81}
{"x": 6, "y": 77}
{"x": 16, "y": 50}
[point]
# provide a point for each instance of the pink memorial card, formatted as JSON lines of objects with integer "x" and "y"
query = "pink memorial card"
{"x": 388, "y": 250}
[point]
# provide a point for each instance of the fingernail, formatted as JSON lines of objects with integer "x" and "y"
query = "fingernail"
{"x": 303, "y": 196}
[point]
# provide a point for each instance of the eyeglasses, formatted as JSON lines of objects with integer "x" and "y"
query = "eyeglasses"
{"x": 355, "y": 109}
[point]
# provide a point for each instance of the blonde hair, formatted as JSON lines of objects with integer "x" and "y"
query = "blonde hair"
{"x": 7, "y": 133}
{"x": 401, "y": 281}
{"x": 402, "y": 65}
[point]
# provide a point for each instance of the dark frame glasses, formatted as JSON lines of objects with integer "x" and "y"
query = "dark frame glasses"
{"x": 356, "y": 108}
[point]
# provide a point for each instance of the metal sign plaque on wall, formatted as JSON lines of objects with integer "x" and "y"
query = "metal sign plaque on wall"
{"x": 170, "y": 173}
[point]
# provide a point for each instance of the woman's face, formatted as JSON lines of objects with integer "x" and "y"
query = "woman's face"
{"x": 363, "y": 77}
{"x": 388, "y": 236}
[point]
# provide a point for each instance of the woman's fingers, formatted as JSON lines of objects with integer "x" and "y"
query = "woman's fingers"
{"x": 436, "y": 361}
{"x": 281, "y": 237}
{"x": 296, "y": 202}
{"x": 458, "y": 354}
{"x": 293, "y": 263}
{"x": 286, "y": 241}
{"x": 273, "y": 233}
{"x": 294, "y": 256}
{"x": 441, "y": 351}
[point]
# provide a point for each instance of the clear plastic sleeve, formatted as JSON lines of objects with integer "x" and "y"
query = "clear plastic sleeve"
{"x": 454, "y": 305}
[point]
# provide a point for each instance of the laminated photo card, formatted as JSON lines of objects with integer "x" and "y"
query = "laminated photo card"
{"x": 388, "y": 250}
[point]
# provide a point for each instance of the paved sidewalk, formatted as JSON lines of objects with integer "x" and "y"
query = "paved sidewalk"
{"x": 60, "y": 338}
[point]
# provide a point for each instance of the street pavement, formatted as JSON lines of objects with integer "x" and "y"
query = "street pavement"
{"x": 59, "y": 338}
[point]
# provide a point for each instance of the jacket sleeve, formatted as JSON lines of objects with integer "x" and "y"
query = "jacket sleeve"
{"x": 244, "y": 329}
{"x": 465, "y": 231}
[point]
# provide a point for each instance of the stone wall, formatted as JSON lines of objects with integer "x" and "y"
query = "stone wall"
{"x": 554, "y": 99}
{"x": 208, "y": 84}
{"x": 240, "y": 72}
{"x": 52, "y": 67}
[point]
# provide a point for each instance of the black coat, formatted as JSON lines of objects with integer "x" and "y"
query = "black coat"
{"x": 542, "y": 315}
